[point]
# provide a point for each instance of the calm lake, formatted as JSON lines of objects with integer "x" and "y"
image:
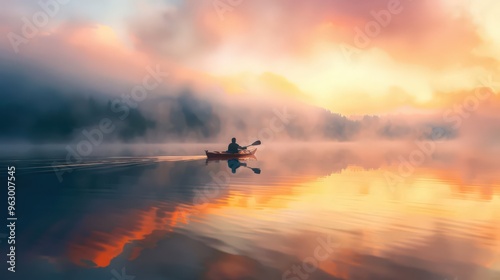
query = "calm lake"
{"x": 315, "y": 211}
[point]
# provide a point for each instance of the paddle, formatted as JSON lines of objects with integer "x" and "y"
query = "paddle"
{"x": 256, "y": 143}
{"x": 255, "y": 170}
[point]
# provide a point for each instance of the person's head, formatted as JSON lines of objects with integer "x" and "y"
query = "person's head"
{"x": 233, "y": 140}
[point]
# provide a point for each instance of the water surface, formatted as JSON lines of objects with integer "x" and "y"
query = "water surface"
{"x": 310, "y": 212}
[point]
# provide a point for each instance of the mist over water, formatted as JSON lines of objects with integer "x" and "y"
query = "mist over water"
{"x": 54, "y": 110}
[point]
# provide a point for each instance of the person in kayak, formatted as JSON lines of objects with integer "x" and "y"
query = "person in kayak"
{"x": 234, "y": 148}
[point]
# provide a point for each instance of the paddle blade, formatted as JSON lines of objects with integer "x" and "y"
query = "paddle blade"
{"x": 256, "y": 170}
{"x": 256, "y": 143}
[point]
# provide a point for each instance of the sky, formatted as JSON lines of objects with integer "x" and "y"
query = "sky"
{"x": 227, "y": 66}
{"x": 349, "y": 57}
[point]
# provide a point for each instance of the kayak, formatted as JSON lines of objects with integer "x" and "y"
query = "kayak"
{"x": 226, "y": 155}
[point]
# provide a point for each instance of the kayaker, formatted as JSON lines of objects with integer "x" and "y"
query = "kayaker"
{"x": 234, "y": 148}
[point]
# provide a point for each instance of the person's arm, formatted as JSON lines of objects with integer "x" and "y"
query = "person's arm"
{"x": 242, "y": 148}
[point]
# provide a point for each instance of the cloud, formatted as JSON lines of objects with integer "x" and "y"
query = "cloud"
{"x": 428, "y": 46}
{"x": 279, "y": 50}
{"x": 48, "y": 108}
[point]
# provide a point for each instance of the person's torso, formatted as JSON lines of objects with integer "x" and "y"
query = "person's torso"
{"x": 233, "y": 147}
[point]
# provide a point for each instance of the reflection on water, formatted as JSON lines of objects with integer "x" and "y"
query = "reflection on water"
{"x": 182, "y": 217}
{"x": 235, "y": 163}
